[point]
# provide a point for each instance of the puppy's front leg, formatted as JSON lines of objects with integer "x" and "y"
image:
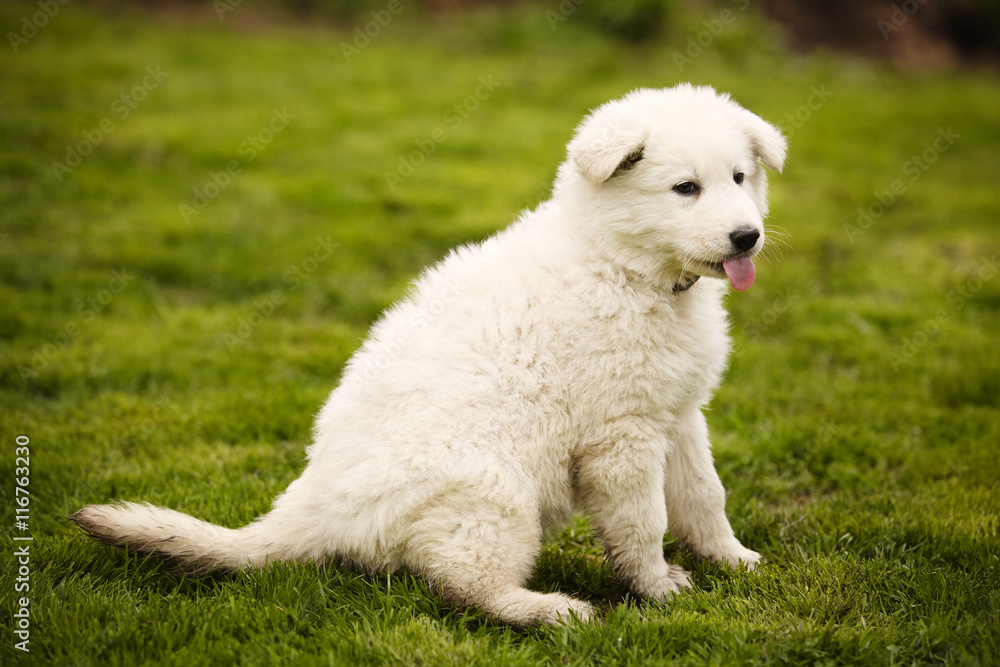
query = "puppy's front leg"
{"x": 696, "y": 500}
{"x": 621, "y": 486}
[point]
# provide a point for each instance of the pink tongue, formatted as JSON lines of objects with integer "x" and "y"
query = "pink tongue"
{"x": 740, "y": 272}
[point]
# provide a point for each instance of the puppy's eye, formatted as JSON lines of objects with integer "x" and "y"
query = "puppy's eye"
{"x": 687, "y": 188}
{"x": 738, "y": 178}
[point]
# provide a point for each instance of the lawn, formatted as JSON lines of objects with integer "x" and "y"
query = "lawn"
{"x": 200, "y": 219}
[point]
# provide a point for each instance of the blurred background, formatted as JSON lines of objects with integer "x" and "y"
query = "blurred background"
{"x": 937, "y": 33}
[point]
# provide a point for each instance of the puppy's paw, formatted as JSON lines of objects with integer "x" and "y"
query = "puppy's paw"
{"x": 736, "y": 556}
{"x": 672, "y": 579}
{"x": 522, "y": 607}
{"x": 747, "y": 558}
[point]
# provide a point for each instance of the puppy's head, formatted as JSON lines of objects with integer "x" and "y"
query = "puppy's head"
{"x": 673, "y": 183}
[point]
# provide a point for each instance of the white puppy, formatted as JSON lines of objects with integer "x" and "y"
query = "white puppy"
{"x": 563, "y": 363}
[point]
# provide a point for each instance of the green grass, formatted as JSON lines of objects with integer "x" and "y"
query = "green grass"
{"x": 856, "y": 431}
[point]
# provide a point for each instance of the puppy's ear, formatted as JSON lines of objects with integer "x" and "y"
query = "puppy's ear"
{"x": 766, "y": 140}
{"x": 600, "y": 150}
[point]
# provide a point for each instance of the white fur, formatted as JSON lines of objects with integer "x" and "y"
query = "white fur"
{"x": 549, "y": 368}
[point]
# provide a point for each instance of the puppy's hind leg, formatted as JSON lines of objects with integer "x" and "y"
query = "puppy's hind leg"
{"x": 478, "y": 554}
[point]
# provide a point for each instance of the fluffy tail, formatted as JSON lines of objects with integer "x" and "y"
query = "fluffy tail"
{"x": 197, "y": 546}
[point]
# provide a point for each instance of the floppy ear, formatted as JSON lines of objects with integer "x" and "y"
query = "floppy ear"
{"x": 766, "y": 140}
{"x": 601, "y": 149}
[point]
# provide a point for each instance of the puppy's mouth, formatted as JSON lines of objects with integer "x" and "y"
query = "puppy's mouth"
{"x": 740, "y": 270}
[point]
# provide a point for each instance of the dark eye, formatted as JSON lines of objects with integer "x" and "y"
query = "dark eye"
{"x": 738, "y": 177}
{"x": 687, "y": 188}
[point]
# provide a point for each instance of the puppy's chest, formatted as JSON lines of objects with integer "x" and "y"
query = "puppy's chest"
{"x": 646, "y": 356}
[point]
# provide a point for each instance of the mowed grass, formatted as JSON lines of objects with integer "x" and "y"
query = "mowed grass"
{"x": 151, "y": 352}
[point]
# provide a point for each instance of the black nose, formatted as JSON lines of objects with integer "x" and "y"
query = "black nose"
{"x": 744, "y": 239}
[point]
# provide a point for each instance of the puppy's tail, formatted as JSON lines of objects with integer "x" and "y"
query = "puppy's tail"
{"x": 196, "y": 546}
